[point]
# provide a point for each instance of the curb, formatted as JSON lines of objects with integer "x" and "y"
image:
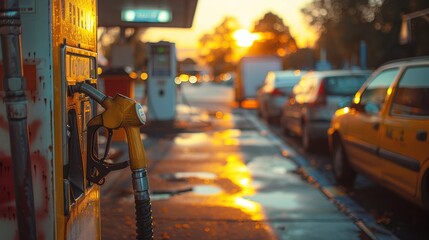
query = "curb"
{"x": 311, "y": 176}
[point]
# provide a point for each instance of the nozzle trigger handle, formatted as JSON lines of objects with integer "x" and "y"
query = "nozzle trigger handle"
{"x": 98, "y": 168}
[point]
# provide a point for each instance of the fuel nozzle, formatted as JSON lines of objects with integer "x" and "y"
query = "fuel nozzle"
{"x": 120, "y": 112}
{"x": 88, "y": 89}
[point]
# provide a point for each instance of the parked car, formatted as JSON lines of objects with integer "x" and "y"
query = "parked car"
{"x": 274, "y": 91}
{"x": 384, "y": 133}
{"x": 314, "y": 100}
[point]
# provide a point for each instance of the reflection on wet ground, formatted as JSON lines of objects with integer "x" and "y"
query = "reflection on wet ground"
{"x": 206, "y": 189}
{"x": 233, "y": 137}
{"x": 249, "y": 176}
{"x": 183, "y": 175}
{"x": 230, "y": 180}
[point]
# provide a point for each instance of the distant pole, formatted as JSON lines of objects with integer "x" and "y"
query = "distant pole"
{"x": 363, "y": 54}
{"x": 323, "y": 57}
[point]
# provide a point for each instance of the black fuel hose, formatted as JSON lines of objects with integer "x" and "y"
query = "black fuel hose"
{"x": 144, "y": 219}
{"x": 144, "y": 225}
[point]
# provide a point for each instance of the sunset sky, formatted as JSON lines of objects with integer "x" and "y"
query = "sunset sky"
{"x": 210, "y": 13}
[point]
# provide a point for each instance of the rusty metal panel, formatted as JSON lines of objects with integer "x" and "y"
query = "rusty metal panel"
{"x": 47, "y": 26}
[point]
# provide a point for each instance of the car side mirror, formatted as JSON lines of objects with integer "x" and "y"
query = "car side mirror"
{"x": 357, "y": 106}
{"x": 372, "y": 108}
{"x": 345, "y": 103}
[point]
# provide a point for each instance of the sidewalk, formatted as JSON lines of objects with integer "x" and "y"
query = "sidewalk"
{"x": 225, "y": 176}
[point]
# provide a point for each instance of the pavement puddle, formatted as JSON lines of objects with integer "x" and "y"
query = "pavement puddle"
{"x": 196, "y": 189}
{"x": 206, "y": 189}
{"x": 277, "y": 200}
{"x": 232, "y": 137}
{"x": 199, "y": 189}
{"x": 180, "y": 176}
{"x": 192, "y": 139}
{"x": 271, "y": 166}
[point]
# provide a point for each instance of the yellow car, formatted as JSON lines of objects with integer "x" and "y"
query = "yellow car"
{"x": 383, "y": 134}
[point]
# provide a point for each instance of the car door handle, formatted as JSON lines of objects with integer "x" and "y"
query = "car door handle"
{"x": 376, "y": 126}
{"x": 422, "y": 135}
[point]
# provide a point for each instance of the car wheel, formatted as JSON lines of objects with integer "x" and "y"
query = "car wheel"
{"x": 267, "y": 118}
{"x": 344, "y": 174}
{"x": 271, "y": 119}
{"x": 283, "y": 128}
{"x": 425, "y": 191}
{"x": 259, "y": 112}
{"x": 307, "y": 141}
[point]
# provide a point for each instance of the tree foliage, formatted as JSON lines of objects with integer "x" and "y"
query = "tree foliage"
{"x": 388, "y": 26}
{"x": 275, "y": 37}
{"x": 217, "y": 48}
{"x": 343, "y": 24}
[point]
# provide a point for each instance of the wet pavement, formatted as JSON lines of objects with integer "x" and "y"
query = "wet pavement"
{"x": 218, "y": 173}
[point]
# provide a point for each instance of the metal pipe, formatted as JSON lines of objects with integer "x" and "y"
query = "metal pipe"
{"x": 417, "y": 14}
{"x": 16, "y": 107}
{"x": 89, "y": 90}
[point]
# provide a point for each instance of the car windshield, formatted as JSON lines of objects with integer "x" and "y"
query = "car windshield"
{"x": 284, "y": 81}
{"x": 343, "y": 85}
{"x": 287, "y": 90}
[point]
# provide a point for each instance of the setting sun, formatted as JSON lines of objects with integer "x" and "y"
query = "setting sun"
{"x": 244, "y": 38}
{"x": 250, "y": 11}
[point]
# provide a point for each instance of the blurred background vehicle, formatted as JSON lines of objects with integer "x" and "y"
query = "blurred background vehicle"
{"x": 384, "y": 134}
{"x": 251, "y": 74}
{"x": 275, "y": 90}
{"x": 314, "y": 100}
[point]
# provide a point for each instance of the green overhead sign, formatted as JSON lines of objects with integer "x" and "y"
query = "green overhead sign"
{"x": 146, "y": 15}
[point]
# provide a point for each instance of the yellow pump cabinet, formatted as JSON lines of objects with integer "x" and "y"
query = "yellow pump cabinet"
{"x": 59, "y": 45}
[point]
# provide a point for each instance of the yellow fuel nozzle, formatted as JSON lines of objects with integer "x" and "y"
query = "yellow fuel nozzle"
{"x": 120, "y": 112}
{"x": 123, "y": 112}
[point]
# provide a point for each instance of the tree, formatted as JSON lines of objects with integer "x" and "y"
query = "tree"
{"x": 217, "y": 48}
{"x": 388, "y": 24}
{"x": 342, "y": 25}
{"x": 275, "y": 37}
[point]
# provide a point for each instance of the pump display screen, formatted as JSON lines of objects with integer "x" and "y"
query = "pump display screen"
{"x": 161, "y": 62}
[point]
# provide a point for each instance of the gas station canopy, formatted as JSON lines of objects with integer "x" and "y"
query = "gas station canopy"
{"x": 146, "y": 13}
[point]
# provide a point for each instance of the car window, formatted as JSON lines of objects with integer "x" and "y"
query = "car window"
{"x": 269, "y": 79}
{"x": 412, "y": 95}
{"x": 343, "y": 85}
{"x": 287, "y": 81}
{"x": 372, "y": 99}
{"x": 287, "y": 90}
{"x": 300, "y": 86}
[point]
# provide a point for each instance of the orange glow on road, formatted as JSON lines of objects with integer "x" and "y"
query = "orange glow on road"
{"x": 234, "y": 178}
{"x": 238, "y": 173}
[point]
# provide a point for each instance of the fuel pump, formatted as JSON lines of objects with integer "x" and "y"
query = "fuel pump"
{"x": 59, "y": 96}
{"x": 162, "y": 70}
{"x": 120, "y": 112}
{"x": 58, "y": 46}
